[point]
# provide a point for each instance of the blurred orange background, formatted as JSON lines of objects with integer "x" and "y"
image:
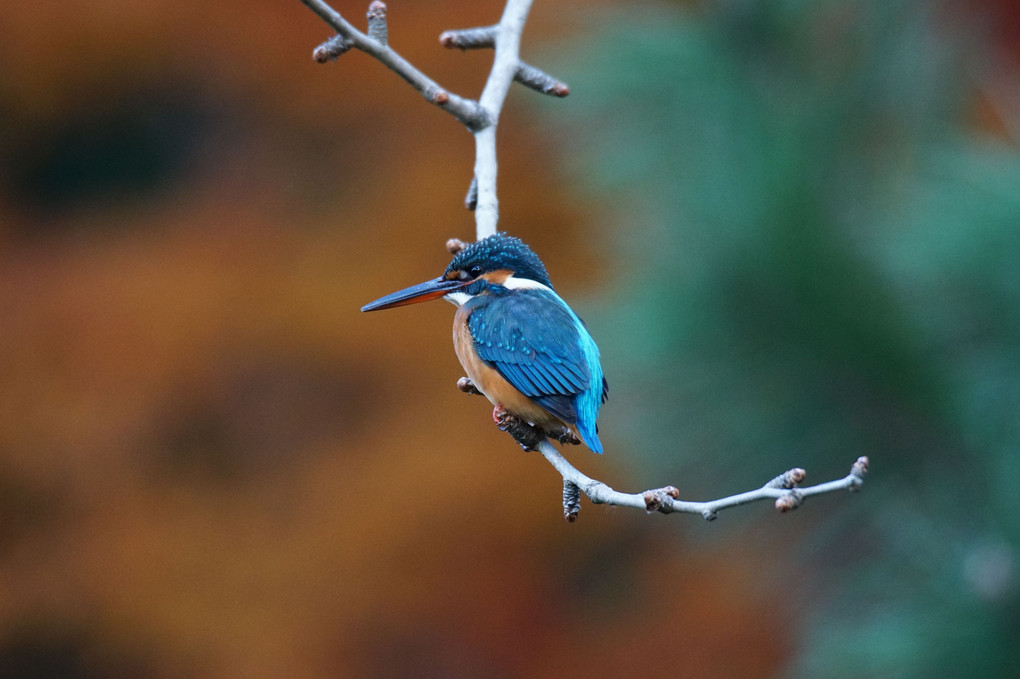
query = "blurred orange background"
{"x": 213, "y": 465}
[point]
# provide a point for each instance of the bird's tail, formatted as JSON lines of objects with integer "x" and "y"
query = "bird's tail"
{"x": 590, "y": 436}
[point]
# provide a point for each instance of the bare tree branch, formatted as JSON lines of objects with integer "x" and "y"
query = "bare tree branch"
{"x": 783, "y": 489}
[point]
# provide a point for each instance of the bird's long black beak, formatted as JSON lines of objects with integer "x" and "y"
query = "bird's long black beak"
{"x": 416, "y": 293}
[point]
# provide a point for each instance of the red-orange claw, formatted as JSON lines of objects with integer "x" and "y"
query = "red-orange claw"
{"x": 500, "y": 415}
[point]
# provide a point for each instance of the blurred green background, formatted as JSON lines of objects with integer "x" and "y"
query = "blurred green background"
{"x": 793, "y": 228}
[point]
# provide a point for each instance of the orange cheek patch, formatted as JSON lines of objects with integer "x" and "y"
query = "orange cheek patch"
{"x": 498, "y": 277}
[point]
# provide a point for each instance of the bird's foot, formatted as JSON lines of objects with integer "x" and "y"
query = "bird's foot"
{"x": 500, "y": 415}
{"x": 565, "y": 436}
{"x": 528, "y": 436}
{"x": 468, "y": 387}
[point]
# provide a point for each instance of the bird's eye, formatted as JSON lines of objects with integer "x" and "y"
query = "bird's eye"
{"x": 475, "y": 271}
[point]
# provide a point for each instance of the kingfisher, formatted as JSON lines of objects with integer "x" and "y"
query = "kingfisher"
{"x": 521, "y": 345}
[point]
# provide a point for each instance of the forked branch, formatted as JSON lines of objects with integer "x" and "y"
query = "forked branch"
{"x": 479, "y": 116}
{"x": 348, "y": 37}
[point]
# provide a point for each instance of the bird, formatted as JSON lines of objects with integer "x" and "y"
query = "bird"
{"x": 521, "y": 345}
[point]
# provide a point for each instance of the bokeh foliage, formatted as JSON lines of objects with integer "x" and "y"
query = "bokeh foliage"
{"x": 819, "y": 258}
{"x": 213, "y": 465}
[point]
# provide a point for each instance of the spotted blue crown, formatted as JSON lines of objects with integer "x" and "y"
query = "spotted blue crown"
{"x": 500, "y": 251}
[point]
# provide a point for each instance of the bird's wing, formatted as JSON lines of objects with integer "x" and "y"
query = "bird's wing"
{"x": 533, "y": 340}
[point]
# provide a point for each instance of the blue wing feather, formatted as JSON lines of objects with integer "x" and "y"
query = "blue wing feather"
{"x": 560, "y": 406}
{"x": 538, "y": 345}
{"x": 532, "y": 339}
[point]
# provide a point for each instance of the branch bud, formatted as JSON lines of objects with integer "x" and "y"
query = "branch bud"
{"x": 788, "y": 502}
{"x": 469, "y": 38}
{"x": 331, "y": 49}
{"x": 377, "y": 29}
{"x": 858, "y": 471}
{"x": 471, "y": 199}
{"x": 540, "y": 81}
{"x": 657, "y": 500}
{"x": 571, "y": 501}
{"x": 788, "y": 479}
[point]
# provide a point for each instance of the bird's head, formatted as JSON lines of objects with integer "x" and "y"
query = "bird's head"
{"x": 499, "y": 260}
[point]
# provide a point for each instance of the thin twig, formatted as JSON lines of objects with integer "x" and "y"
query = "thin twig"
{"x": 665, "y": 500}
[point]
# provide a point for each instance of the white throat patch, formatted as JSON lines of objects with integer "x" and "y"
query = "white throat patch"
{"x": 457, "y": 298}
